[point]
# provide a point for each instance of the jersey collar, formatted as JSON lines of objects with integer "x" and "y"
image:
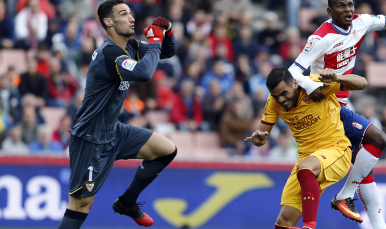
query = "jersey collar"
{"x": 340, "y": 30}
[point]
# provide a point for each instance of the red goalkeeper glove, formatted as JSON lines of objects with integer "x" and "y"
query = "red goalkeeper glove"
{"x": 164, "y": 23}
{"x": 154, "y": 33}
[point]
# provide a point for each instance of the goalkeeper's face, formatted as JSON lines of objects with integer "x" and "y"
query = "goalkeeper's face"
{"x": 123, "y": 21}
{"x": 286, "y": 95}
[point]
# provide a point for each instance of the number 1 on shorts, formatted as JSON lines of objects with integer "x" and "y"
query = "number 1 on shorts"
{"x": 90, "y": 168}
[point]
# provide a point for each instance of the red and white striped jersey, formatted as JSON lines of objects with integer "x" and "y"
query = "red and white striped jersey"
{"x": 333, "y": 47}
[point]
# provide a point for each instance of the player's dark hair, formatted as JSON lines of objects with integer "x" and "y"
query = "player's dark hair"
{"x": 276, "y": 76}
{"x": 105, "y": 10}
{"x": 331, "y": 3}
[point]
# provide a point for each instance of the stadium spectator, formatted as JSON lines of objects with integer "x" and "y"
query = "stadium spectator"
{"x": 293, "y": 41}
{"x": 6, "y": 27}
{"x": 194, "y": 71}
{"x": 219, "y": 37}
{"x": 217, "y": 72}
{"x": 186, "y": 111}
{"x": 30, "y": 26}
{"x": 182, "y": 42}
{"x": 45, "y": 6}
{"x": 213, "y": 105}
{"x": 79, "y": 7}
{"x": 72, "y": 40}
{"x": 61, "y": 85}
{"x": 284, "y": 151}
{"x": 245, "y": 42}
{"x": 369, "y": 114}
{"x": 7, "y": 93}
{"x": 28, "y": 125}
{"x": 235, "y": 7}
{"x": 13, "y": 144}
{"x": 32, "y": 82}
{"x": 244, "y": 69}
{"x": 234, "y": 124}
{"x": 199, "y": 22}
{"x": 271, "y": 36}
{"x": 28, "y": 100}
{"x": 42, "y": 57}
{"x": 259, "y": 80}
{"x": 237, "y": 93}
{"x": 44, "y": 142}
{"x": 61, "y": 134}
{"x": 84, "y": 55}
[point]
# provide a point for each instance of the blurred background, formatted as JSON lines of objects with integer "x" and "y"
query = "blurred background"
{"x": 206, "y": 99}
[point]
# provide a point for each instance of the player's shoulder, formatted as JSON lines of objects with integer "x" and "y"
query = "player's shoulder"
{"x": 325, "y": 29}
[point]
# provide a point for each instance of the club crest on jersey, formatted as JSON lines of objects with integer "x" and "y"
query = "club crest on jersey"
{"x": 90, "y": 186}
{"x": 124, "y": 86}
{"x": 357, "y": 125}
{"x": 309, "y": 46}
{"x": 129, "y": 64}
{"x": 307, "y": 100}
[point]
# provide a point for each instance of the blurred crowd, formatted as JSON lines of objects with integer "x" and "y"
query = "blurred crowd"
{"x": 216, "y": 82}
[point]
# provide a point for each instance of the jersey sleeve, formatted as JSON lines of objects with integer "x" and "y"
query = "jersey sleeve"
{"x": 169, "y": 47}
{"x": 374, "y": 22}
{"x": 121, "y": 67}
{"x": 270, "y": 114}
{"x": 312, "y": 51}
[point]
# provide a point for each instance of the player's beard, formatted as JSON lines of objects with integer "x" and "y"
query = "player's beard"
{"x": 126, "y": 33}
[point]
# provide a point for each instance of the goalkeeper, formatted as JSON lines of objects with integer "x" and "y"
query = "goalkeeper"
{"x": 97, "y": 139}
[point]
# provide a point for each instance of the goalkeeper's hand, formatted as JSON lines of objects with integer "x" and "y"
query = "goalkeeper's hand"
{"x": 154, "y": 33}
{"x": 164, "y": 23}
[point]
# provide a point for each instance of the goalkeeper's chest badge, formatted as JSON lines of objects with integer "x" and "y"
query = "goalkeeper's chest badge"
{"x": 90, "y": 186}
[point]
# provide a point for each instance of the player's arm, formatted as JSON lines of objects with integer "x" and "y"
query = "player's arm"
{"x": 311, "y": 52}
{"x": 349, "y": 82}
{"x": 374, "y": 22}
{"x": 128, "y": 69}
{"x": 260, "y": 136}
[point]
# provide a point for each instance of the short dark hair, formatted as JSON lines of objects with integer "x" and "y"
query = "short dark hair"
{"x": 105, "y": 10}
{"x": 276, "y": 76}
{"x": 331, "y": 3}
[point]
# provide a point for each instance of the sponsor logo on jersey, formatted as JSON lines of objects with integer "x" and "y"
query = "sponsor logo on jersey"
{"x": 124, "y": 86}
{"x": 357, "y": 125}
{"x": 339, "y": 44}
{"x": 129, "y": 64}
{"x": 309, "y": 46}
{"x": 344, "y": 57}
{"x": 307, "y": 100}
{"x": 90, "y": 186}
{"x": 94, "y": 55}
{"x": 305, "y": 122}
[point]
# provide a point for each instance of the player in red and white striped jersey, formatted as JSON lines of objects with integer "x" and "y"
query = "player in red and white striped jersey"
{"x": 335, "y": 45}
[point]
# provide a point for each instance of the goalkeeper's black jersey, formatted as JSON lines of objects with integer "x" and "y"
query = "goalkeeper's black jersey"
{"x": 108, "y": 80}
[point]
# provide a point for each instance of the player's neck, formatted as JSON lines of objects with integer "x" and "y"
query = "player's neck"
{"x": 119, "y": 40}
{"x": 343, "y": 27}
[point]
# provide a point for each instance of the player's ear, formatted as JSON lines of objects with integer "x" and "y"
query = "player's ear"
{"x": 108, "y": 22}
{"x": 295, "y": 84}
{"x": 329, "y": 11}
